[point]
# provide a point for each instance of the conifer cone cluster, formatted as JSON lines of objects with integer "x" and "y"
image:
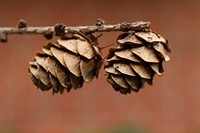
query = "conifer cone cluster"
{"x": 136, "y": 60}
{"x": 66, "y": 64}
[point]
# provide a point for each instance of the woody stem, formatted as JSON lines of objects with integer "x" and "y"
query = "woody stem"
{"x": 23, "y": 29}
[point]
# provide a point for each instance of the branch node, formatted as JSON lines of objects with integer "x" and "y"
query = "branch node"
{"x": 59, "y": 29}
{"x": 21, "y": 24}
{"x": 48, "y": 35}
{"x": 3, "y": 37}
{"x": 99, "y": 22}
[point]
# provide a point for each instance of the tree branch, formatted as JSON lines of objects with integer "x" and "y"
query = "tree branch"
{"x": 22, "y": 28}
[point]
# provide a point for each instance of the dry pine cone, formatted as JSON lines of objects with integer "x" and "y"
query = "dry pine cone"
{"x": 136, "y": 60}
{"x": 66, "y": 64}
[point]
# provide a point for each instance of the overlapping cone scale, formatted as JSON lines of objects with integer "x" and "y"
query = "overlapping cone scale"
{"x": 66, "y": 64}
{"x": 138, "y": 57}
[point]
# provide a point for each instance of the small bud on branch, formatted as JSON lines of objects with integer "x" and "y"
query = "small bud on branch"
{"x": 21, "y": 24}
{"x": 3, "y": 37}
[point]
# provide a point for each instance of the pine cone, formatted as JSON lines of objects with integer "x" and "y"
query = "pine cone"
{"x": 136, "y": 60}
{"x": 66, "y": 64}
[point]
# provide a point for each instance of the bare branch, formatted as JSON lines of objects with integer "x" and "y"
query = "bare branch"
{"x": 84, "y": 29}
{"x": 28, "y": 30}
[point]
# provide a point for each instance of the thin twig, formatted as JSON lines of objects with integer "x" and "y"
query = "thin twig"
{"x": 61, "y": 29}
{"x": 84, "y": 29}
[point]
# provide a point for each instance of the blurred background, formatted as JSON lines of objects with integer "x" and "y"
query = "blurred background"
{"x": 171, "y": 105}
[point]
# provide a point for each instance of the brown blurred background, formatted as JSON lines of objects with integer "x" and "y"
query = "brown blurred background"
{"x": 172, "y": 105}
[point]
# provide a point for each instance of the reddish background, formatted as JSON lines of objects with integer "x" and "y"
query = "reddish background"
{"x": 172, "y": 105}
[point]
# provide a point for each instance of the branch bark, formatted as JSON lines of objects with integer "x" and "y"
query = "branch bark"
{"x": 60, "y": 29}
{"x": 84, "y": 29}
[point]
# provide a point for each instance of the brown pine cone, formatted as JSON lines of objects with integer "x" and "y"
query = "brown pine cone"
{"x": 66, "y": 64}
{"x": 136, "y": 60}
